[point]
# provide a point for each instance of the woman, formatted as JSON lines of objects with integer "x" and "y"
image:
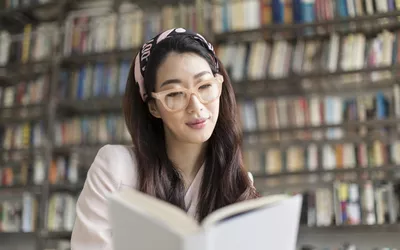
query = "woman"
{"x": 180, "y": 110}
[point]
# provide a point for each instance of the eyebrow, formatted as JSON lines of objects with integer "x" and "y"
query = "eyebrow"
{"x": 171, "y": 81}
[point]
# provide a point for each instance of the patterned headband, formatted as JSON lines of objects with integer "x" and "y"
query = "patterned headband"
{"x": 143, "y": 56}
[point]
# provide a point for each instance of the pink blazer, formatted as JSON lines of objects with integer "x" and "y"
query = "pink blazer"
{"x": 113, "y": 169}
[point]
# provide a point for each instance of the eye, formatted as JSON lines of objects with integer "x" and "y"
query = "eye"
{"x": 175, "y": 94}
{"x": 205, "y": 86}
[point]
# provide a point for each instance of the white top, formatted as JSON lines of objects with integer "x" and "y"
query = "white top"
{"x": 113, "y": 169}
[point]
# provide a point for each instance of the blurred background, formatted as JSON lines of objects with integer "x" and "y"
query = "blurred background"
{"x": 316, "y": 83}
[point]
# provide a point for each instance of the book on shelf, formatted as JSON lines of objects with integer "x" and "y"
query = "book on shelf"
{"x": 352, "y": 203}
{"x": 98, "y": 30}
{"x": 283, "y": 58}
{"x": 94, "y": 81}
{"x": 19, "y": 214}
{"x": 265, "y": 223}
{"x": 61, "y": 212}
{"x": 91, "y": 130}
{"x": 308, "y": 145}
{"x": 17, "y": 172}
{"x": 22, "y": 135}
{"x": 34, "y": 43}
{"x": 25, "y": 93}
{"x": 232, "y": 15}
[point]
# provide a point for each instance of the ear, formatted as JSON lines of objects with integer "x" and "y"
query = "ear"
{"x": 153, "y": 109}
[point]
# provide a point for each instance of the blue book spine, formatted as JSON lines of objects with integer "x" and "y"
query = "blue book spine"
{"x": 277, "y": 11}
{"x": 391, "y": 5}
{"x": 297, "y": 15}
{"x": 308, "y": 14}
{"x": 342, "y": 8}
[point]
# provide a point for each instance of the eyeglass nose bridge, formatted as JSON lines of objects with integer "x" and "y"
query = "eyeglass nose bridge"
{"x": 190, "y": 92}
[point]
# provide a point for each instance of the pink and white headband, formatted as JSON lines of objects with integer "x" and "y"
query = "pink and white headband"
{"x": 143, "y": 56}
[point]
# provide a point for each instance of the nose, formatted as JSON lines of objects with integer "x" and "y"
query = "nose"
{"x": 194, "y": 104}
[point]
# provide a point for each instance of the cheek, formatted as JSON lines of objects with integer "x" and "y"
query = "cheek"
{"x": 214, "y": 110}
{"x": 171, "y": 119}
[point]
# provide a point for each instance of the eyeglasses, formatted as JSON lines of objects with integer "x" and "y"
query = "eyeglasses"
{"x": 178, "y": 99}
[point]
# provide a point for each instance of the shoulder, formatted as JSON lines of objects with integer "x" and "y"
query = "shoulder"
{"x": 118, "y": 162}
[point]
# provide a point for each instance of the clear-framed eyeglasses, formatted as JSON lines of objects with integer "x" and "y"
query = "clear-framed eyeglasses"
{"x": 178, "y": 99}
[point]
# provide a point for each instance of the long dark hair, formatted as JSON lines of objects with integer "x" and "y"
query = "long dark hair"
{"x": 225, "y": 180}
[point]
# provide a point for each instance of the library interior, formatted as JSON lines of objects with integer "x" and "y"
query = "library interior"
{"x": 323, "y": 80}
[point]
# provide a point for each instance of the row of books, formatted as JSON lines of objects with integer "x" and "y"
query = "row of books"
{"x": 25, "y": 93}
{"x": 22, "y": 136}
{"x": 19, "y": 215}
{"x": 66, "y": 169}
{"x": 96, "y": 30}
{"x": 346, "y": 203}
{"x": 261, "y": 114}
{"x": 35, "y": 43}
{"x": 14, "y": 4}
{"x": 61, "y": 212}
{"x": 231, "y": 15}
{"x": 281, "y": 58}
{"x": 22, "y": 175}
{"x": 325, "y": 157}
{"x": 94, "y": 80}
{"x": 84, "y": 130}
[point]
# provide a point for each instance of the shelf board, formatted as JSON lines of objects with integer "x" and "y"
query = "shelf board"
{"x": 347, "y": 138}
{"x": 30, "y": 151}
{"x": 365, "y": 24}
{"x": 22, "y": 113}
{"x": 320, "y": 171}
{"x": 92, "y": 105}
{"x": 18, "y": 234}
{"x": 56, "y": 235}
{"x": 20, "y": 188}
{"x": 29, "y": 67}
{"x": 348, "y": 125}
{"x": 80, "y": 59}
{"x": 351, "y": 229}
{"x": 52, "y": 9}
{"x": 290, "y": 86}
{"x": 152, "y": 3}
{"x": 66, "y": 187}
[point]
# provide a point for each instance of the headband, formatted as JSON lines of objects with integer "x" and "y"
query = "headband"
{"x": 143, "y": 55}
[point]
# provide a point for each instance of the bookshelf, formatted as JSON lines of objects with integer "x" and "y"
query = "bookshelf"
{"x": 285, "y": 151}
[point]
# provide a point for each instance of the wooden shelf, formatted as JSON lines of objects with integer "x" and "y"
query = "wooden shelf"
{"x": 320, "y": 171}
{"x": 347, "y": 138}
{"x": 368, "y": 24}
{"x": 66, "y": 187}
{"x": 20, "y": 188}
{"x": 17, "y": 234}
{"x": 80, "y": 59}
{"x": 56, "y": 235}
{"x": 22, "y": 113}
{"x": 344, "y": 229}
{"x": 92, "y": 105}
{"x": 348, "y": 125}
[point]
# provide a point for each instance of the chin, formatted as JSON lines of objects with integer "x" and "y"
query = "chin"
{"x": 197, "y": 137}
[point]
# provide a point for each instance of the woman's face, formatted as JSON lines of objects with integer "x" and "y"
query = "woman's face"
{"x": 196, "y": 122}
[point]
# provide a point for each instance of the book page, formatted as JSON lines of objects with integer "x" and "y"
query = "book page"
{"x": 270, "y": 227}
{"x": 239, "y": 208}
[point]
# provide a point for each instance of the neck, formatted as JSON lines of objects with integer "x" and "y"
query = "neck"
{"x": 187, "y": 158}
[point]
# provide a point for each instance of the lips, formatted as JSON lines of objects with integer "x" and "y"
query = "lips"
{"x": 198, "y": 123}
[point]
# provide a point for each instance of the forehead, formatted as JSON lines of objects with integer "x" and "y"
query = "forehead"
{"x": 181, "y": 66}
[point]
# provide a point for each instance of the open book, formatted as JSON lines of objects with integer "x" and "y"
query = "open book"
{"x": 142, "y": 222}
